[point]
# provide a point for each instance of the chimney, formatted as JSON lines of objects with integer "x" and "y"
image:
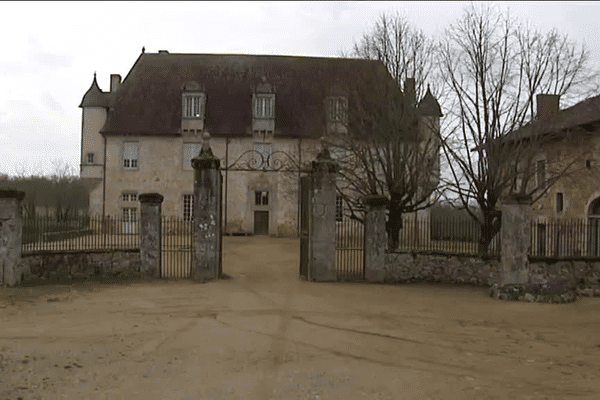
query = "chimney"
{"x": 547, "y": 105}
{"x": 163, "y": 52}
{"x": 409, "y": 91}
{"x": 115, "y": 82}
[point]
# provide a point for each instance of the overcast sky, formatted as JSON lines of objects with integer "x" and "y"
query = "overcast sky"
{"x": 50, "y": 51}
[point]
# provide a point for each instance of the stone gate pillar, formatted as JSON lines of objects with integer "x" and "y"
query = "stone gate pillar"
{"x": 207, "y": 216}
{"x": 150, "y": 234}
{"x": 11, "y": 230}
{"x": 375, "y": 238}
{"x": 515, "y": 236}
{"x": 322, "y": 235}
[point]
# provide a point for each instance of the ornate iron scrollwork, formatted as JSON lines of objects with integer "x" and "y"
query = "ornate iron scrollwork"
{"x": 277, "y": 161}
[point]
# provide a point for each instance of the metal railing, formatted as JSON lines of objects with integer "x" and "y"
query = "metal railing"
{"x": 565, "y": 238}
{"x": 444, "y": 235}
{"x": 79, "y": 234}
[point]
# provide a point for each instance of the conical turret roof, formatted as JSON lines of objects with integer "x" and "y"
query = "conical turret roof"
{"x": 429, "y": 106}
{"x": 95, "y": 97}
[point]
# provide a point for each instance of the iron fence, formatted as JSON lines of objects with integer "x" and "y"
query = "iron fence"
{"x": 565, "y": 238}
{"x": 444, "y": 235}
{"x": 79, "y": 233}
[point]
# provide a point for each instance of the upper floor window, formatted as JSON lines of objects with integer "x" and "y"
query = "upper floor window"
{"x": 193, "y": 105}
{"x": 130, "y": 155}
{"x": 541, "y": 174}
{"x": 337, "y": 109}
{"x": 263, "y": 153}
{"x": 89, "y": 158}
{"x": 264, "y": 106}
{"x": 190, "y": 150}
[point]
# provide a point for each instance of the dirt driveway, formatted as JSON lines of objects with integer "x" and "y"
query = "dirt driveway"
{"x": 264, "y": 334}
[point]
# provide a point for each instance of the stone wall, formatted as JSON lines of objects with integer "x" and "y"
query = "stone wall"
{"x": 410, "y": 267}
{"x": 81, "y": 264}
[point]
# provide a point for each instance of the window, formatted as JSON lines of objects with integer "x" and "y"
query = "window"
{"x": 129, "y": 197}
{"x": 261, "y": 198}
{"x": 190, "y": 150}
{"x": 188, "y": 207}
{"x": 263, "y": 151}
{"x": 541, "y": 174}
{"x": 90, "y": 158}
{"x": 264, "y": 106}
{"x": 130, "y": 155}
{"x": 193, "y": 105}
{"x": 129, "y": 214}
{"x": 339, "y": 208}
{"x": 337, "y": 109}
{"x": 559, "y": 202}
{"x": 588, "y": 164}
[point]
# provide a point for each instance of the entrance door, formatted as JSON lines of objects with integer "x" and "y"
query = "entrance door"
{"x": 261, "y": 222}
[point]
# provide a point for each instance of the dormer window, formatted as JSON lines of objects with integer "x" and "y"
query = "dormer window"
{"x": 264, "y": 106}
{"x": 337, "y": 109}
{"x": 194, "y": 105}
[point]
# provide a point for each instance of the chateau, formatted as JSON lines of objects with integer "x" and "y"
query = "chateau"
{"x": 141, "y": 135}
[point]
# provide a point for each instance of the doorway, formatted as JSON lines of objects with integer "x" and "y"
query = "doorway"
{"x": 261, "y": 222}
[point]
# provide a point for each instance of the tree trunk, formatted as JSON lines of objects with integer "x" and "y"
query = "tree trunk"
{"x": 489, "y": 229}
{"x": 393, "y": 226}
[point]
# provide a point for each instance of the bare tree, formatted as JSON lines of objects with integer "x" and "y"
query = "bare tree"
{"x": 405, "y": 51}
{"x": 388, "y": 149}
{"x": 493, "y": 68}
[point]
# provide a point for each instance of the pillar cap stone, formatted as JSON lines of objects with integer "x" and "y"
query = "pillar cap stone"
{"x": 206, "y": 159}
{"x": 12, "y": 194}
{"x": 151, "y": 198}
{"x": 375, "y": 201}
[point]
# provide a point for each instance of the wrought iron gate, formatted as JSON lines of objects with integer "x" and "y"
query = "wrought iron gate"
{"x": 176, "y": 248}
{"x": 349, "y": 249}
{"x": 305, "y": 209}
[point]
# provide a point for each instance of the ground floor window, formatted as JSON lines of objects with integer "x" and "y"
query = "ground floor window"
{"x": 129, "y": 214}
{"x": 339, "y": 208}
{"x": 188, "y": 207}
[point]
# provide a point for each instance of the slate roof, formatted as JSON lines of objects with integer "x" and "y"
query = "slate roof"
{"x": 429, "y": 106}
{"x": 585, "y": 115}
{"x": 149, "y": 100}
{"x": 95, "y": 97}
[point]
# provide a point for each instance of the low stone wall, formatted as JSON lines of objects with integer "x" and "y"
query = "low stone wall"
{"x": 552, "y": 274}
{"x": 81, "y": 264}
{"x": 411, "y": 267}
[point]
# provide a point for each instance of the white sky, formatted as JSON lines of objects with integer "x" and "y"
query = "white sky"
{"x": 50, "y": 51}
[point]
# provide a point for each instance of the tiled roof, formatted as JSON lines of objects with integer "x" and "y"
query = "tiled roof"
{"x": 95, "y": 97}
{"x": 148, "y": 101}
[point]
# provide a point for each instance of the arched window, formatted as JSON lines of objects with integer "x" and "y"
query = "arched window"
{"x": 594, "y": 208}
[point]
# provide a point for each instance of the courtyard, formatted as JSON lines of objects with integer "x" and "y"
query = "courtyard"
{"x": 265, "y": 334}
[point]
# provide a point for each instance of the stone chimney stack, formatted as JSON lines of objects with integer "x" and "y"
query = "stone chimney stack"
{"x": 409, "y": 91}
{"x": 115, "y": 82}
{"x": 547, "y": 105}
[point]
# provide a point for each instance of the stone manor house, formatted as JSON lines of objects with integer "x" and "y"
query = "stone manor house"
{"x": 141, "y": 135}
